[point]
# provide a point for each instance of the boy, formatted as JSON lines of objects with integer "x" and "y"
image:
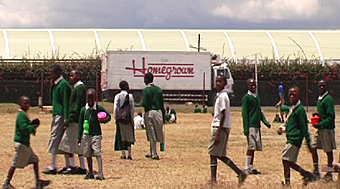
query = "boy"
{"x": 125, "y": 133}
{"x": 296, "y": 129}
{"x": 152, "y": 101}
{"x": 24, "y": 154}
{"x": 325, "y": 136}
{"x": 60, "y": 94}
{"x": 92, "y": 141}
{"x": 139, "y": 121}
{"x": 221, "y": 126}
{"x": 170, "y": 115}
{"x": 252, "y": 115}
{"x": 68, "y": 143}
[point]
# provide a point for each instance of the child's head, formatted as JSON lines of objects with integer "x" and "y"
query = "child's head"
{"x": 24, "y": 103}
{"x": 251, "y": 83}
{"x": 323, "y": 87}
{"x": 167, "y": 108}
{"x": 75, "y": 76}
{"x": 124, "y": 85}
{"x": 294, "y": 94}
{"x": 55, "y": 72}
{"x": 221, "y": 82}
{"x": 140, "y": 114}
{"x": 148, "y": 78}
{"x": 91, "y": 97}
{"x": 277, "y": 115}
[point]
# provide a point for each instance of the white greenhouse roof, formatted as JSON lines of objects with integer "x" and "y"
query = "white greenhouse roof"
{"x": 233, "y": 44}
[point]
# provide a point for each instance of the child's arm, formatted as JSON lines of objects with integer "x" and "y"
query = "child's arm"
{"x": 66, "y": 99}
{"x": 304, "y": 127}
{"x": 108, "y": 118}
{"x": 330, "y": 114}
{"x": 80, "y": 123}
{"x": 264, "y": 120}
{"x": 25, "y": 124}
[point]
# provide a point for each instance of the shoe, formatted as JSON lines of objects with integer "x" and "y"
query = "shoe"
{"x": 328, "y": 177}
{"x": 148, "y": 156}
{"x": 317, "y": 175}
{"x": 309, "y": 178}
{"x": 89, "y": 176}
{"x": 285, "y": 185}
{"x": 50, "y": 171}
{"x": 70, "y": 171}
{"x": 242, "y": 177}
{"x": 81, "y": 171}
{"x": 100, "y": 176}
{"x": 43, "y": 183}
{"x": 62, "y": 170}
{"x": 156, "y": 157}
{"x": 253, "y": 171}
{"x": 129, "y": 158}
{"x": 8, "y": 186}
{"x": 122, "y": 157}
{"x": 328, "y": 169}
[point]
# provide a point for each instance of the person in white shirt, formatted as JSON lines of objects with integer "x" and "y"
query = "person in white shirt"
{"x": 139, "y": 121}
{"x": 221, "y": 125}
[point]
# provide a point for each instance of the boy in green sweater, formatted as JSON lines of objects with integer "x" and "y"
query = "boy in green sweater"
{"x": 325, "y": 136}
{"x": 24, "y": 154}
{"x": 68, "y": 143}
{"x": 296, "y": 129}
{"x": 252, "y": 115}
{"x": 60, "y": 94}
{"x": 92, "y": 137}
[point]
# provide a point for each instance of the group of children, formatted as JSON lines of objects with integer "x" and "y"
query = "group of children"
{"x": 295, "y": 126}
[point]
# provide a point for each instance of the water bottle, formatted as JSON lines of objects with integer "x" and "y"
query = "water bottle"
{"x": 162, "y": 146}
{"x": 86, "y": 126}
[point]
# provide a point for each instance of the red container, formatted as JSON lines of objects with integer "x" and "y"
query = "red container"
{"x": 315, "y": 120}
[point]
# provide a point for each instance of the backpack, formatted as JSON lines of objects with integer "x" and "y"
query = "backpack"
{"x": 123, "y": 112}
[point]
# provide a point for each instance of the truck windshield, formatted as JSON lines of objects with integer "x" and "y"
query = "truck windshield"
{"x": 223, "y": 72}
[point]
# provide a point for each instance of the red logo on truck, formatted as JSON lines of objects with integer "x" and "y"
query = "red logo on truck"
{"x": 166, "y": 70}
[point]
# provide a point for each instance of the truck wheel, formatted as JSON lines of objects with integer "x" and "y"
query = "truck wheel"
{"x": 137, "y": 96}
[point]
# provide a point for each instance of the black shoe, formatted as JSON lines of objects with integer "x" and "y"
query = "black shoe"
{"x": 309, "y": 178}
{"x": 253, "y": 171}
{"x": 100, "y": 176}
{"x": 122, "y": 157}
{"x": 317, "y": 175}
{"x": 242, "y": 177}
{"x": 89, "y": 176}
{"x": 62, "y": 170}
{"x": 8, "y": 186}
{"x": 148, "y": 156}
{"x": 70, "y": 171}
{"x": 43, "y": 183}
{"x": 50, "y": 171}
{"x": 285, "y": 185}
{"x": 156, "y": 157}
{"x": 129, "y": 158}
{"x": 81, "y": 171}
{"x": 328, "y": 177}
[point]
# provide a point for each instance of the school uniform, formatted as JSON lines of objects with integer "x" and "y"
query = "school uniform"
{"x": 325, "y": 135}
{"x": 24, "y": 154}
{"x": 92, "y": 141}
{"x": 138, "y": 122}
{"x": 296, "y": 130}
{"x": 221, "y": 103}
{"x": 69, "y": 142}
{"x": 60, "y": 95}
{"x": 153, "y": 104}
{"x": 127, "y": 132}
{"x": 252, "y": 116}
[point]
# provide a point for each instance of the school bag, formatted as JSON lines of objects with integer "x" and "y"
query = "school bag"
{"x": 123, "y": 112}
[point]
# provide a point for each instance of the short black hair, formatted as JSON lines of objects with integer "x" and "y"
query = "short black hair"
{"x": 140, "y": 114}
{"x": 149, "y": 77}
{"x": 91, "y": 92}
{"x": 224, "y": 77}
{"x": 123, "y": 85}
{"x": 22, "y": 98}
{"x": 77, "y": 72}
{"x": 56, "y": 68}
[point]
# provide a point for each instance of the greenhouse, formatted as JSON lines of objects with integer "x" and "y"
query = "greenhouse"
{"x": 231, "y": 44}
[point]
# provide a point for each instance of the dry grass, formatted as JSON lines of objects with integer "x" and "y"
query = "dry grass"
{"x": 184, "y": 164}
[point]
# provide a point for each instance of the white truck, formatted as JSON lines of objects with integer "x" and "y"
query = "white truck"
{"x": 183, "y": 76}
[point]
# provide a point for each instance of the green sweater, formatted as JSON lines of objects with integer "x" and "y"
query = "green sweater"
{"x": 23, "y": 129}
{"x": 153, "y": 98}
{"x": 251, "y": 113}
{"x": 77, "y": 101}
{"x": 91, "y": 115}
{"x": 60, "y": 95}
{"x": 297, "y": 128}
{"x": 325, "y": 109}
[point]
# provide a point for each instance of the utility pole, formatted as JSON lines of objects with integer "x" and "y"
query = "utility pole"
{"x": 199, "y": 42}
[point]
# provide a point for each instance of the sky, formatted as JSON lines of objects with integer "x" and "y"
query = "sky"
{"x": 171, "y": 14}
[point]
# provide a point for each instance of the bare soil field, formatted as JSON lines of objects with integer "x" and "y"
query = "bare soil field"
{"x": 183, "y": 164}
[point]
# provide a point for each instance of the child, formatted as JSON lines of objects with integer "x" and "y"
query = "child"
{"x": 125, "y": 133}
{"x": 197, "y": 109}
{"x": 325, "y": 136}
{"x": 252, "y": 116}
{"x": 24, "y": 154}
{"x": 296, "y": 129}
{"x": 277, "y": 119}
{"x": 221, "y": 125}
{"x": 92, "y": 140}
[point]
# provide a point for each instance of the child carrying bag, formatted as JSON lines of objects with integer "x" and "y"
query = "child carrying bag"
{"x": 123, "y": 112}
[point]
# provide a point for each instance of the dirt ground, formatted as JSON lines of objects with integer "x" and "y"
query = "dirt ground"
{"x": 183, "y": 164}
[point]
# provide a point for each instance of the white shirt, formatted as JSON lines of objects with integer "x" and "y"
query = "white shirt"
{"x": 222, "y": 103}
{"x": 139, "y": 121}
{"x": 119, "y": 99}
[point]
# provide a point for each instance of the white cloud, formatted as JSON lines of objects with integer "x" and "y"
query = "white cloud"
{"x": 262, "y": 10}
